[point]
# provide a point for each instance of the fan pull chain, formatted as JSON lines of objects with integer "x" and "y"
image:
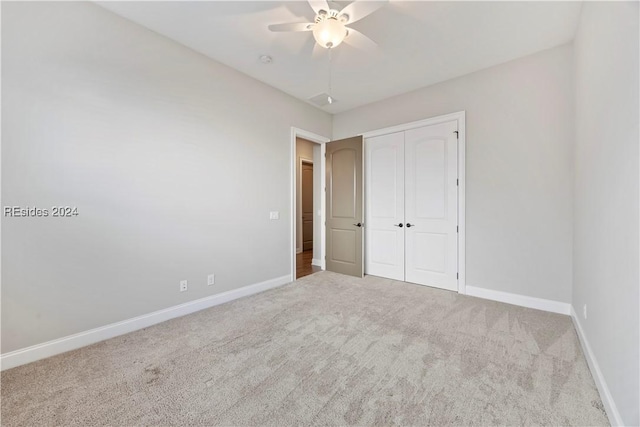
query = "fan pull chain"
{"x": 329, "y": 98}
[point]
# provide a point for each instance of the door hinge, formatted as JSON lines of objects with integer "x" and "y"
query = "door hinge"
{"x": 457, "y": 134}
{"x": 457, "y": 182}
{"x": 457, "y": 229}
{"x": 457, "y": 275}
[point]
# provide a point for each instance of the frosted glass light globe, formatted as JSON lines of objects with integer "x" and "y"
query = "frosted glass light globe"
{"x": 329, "y": 33}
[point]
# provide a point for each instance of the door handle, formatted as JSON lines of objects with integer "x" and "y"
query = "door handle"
{"x": 410, "y": 225}
{"x": 358, "y": 224}
{"x": 398, "y": 225}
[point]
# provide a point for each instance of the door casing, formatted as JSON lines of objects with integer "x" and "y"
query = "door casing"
{"x": 460, "y": 118}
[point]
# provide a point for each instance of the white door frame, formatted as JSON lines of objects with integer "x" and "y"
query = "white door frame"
{"x": 321, "y": 140}
{"x": 460, "y": 118}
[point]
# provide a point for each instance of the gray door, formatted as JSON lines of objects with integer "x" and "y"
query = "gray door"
{"x": 344, "y": 207}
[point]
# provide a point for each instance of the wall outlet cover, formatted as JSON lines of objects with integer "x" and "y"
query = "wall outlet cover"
{"x": 211, "y": 279}
{"x": 183, "y": 285}
{"x": 274, "y": 215}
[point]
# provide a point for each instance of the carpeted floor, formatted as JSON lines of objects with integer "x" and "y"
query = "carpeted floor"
{"x": 326, "y": 350}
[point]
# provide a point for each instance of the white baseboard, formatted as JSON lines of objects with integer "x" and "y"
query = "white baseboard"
{"x": 605, "y": 394}
{"x": 521, "y": 300}
{"x": 318, "y": 263}
{"x": 72, "y": 342}
{"x": 298, "y": 250}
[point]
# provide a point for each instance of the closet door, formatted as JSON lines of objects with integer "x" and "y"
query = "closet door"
{"x": 431, "y": 211}
{"x": 384, "y": 206}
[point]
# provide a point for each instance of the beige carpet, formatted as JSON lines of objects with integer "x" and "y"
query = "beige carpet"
{"x": 327, "y": 350}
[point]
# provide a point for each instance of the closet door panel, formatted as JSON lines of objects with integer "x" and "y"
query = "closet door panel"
{"x": 429, "y": 173}
{"x": 431, "y": 213}
{"x": 384, "y": 206}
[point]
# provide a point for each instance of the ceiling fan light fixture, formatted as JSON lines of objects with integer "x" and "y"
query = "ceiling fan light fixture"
{"x": 329, "y": 32}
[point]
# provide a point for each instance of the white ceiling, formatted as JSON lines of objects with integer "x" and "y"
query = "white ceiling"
{"x": 420, "y": 43}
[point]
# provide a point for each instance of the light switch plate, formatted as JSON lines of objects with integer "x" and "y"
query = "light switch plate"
{"x": 274, "y": 215}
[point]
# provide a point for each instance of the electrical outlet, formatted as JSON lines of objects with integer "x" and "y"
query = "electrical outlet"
{"x": 584, "y": 311}
{"x": 211, "y": 279}
{"x": 183, "y": 285}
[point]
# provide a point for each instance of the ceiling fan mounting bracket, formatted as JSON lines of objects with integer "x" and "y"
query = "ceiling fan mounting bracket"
{"x": 323, "y": 15}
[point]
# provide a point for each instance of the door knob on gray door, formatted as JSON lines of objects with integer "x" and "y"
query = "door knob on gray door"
{"x": 410, "y": 225}
{"x": 358, "y": 224}
{"x": 398, "y": 225}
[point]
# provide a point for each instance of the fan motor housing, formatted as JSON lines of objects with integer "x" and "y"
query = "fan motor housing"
{"x": 331, "y": 14}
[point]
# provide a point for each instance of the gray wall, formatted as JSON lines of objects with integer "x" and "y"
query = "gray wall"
{"x": 152, "y": 142}
{"x": 519, "y": 167}
{"x": 605, "y": 264}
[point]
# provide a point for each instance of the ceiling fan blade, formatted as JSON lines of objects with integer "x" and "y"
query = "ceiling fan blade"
{"x": 358, "y": 40}
{"x": 297, "y": 26}
{"x": 359, "y": 9}
{"x": 318, "y": 5}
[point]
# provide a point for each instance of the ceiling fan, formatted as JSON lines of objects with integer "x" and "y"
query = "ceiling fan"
{"x": 330, "y": 26}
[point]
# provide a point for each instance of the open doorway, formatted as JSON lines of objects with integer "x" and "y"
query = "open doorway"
{"x": 308, "y": 206}
{"x": 308, "y": 203}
